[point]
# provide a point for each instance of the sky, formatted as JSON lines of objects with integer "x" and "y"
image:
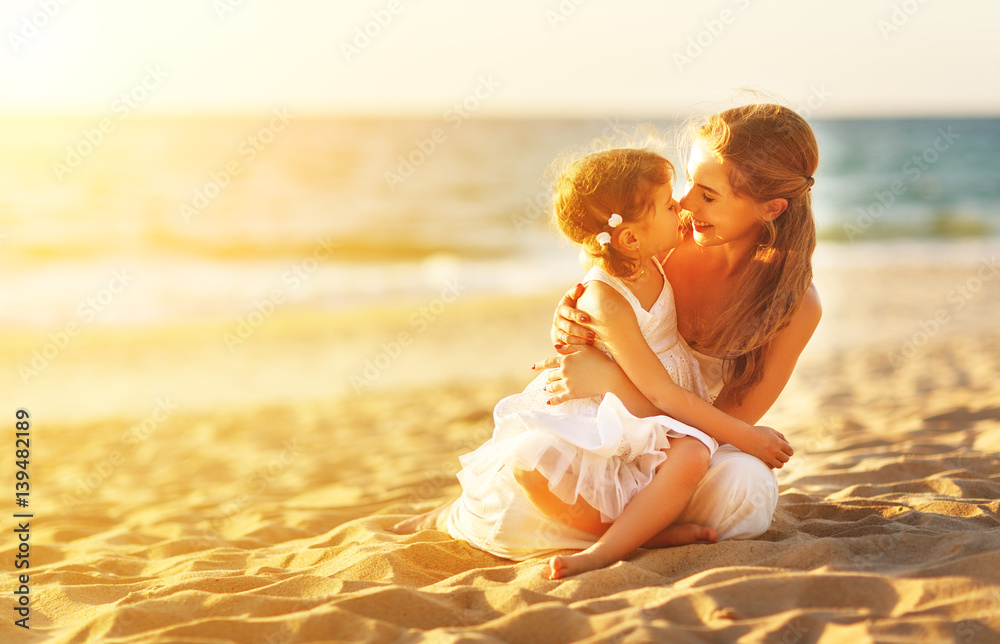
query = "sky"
{"x": 595, "y": 58}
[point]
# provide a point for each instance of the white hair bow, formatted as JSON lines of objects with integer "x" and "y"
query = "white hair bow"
{"x": 605, "y": 238}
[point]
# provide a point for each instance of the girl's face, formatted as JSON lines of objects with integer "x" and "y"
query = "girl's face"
{"x": 661, "y": 229}
{"x": 720, "y": 216}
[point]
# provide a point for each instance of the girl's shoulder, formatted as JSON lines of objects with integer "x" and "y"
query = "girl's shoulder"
{"x": 605, "y": 297}
{"x": 606, "y": 283}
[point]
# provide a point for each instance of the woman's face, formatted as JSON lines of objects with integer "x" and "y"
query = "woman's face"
{"x": 720, "y": 216}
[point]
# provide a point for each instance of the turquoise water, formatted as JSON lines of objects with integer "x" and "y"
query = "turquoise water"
{"x": 210, "y": 215}
{"x": 933, "y": 178}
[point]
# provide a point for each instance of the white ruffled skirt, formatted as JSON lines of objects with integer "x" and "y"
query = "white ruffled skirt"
{"x": 736, "y": 498}
{"x": 590, "y": 449}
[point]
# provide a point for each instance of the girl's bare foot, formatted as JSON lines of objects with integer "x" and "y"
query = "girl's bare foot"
{"x": 425, "y": 521}
{"x": 682, "y": 535}
{"x": 561, "y": 566}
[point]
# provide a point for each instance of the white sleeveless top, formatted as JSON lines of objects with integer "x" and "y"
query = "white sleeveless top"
{"x": 592, "y": 448}
{"x": 712, "y": 370}
{"x": 659, "y": 328}
{"x": 596, "y": 450}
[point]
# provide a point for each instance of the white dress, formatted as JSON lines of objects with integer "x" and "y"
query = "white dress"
{"x": 592, "y": 448}
{"x": 738, "y": 495}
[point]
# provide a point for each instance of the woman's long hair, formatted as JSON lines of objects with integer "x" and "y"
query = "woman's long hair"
{"x": 771, "y": 153}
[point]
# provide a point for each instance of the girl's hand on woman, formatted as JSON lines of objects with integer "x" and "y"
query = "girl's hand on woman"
{"x": 568, "y": 323}
{"x": 767, "y": 444}
{"x": 583, "y": 372}
{"x": 579, "y": 371}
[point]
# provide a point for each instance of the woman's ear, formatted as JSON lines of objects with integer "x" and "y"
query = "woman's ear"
{"x": 771, "y": 210}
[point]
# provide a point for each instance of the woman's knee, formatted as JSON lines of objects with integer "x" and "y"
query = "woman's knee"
{"x": 751, "y": 482}
{"x": 737, "y": 496}
{"x": 756, "y": 480}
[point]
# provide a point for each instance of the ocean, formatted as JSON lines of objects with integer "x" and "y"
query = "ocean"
{"x": 146, "y": 220}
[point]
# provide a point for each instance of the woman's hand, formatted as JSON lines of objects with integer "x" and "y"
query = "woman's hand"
{"x": 567, "y": 323}
{"x": 767, "y": 444}
{"x": 579, "y": 372}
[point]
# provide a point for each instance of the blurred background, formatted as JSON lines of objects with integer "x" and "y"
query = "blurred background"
{"x": 230, "y": 163}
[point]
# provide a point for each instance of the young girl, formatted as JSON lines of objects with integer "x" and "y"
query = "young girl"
{"x": 592, "y": 456}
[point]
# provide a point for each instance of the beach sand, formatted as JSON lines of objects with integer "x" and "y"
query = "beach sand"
{"x": 183, "y": 492}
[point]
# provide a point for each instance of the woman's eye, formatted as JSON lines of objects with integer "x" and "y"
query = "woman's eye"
{"x": 707, "y": 198}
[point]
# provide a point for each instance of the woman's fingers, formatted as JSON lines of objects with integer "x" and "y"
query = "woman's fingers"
{"x": 556, "y": 362}
{"x": 559, "y": 398}
{"x": 568, "y": 323}
{"x": 566, "y": 350}
{"x": 568, "y": 330}
{"x": 557, "y": 388}
{"x": 572, "y": 295}
{"x": 547, "y": 363}
{"x": 571, "y": 333}
{"x": 573, "y": 315}
{"x": 566, "y": 315}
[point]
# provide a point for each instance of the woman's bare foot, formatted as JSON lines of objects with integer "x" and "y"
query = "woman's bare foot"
{"x": 682, "y": 535}
{"x": 425, "y": 521}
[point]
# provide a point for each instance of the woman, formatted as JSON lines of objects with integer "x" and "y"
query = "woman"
{"x": 745, "y": 303}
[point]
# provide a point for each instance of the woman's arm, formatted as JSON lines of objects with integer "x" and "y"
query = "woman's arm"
{"x": 583, "y": 371}
{"x": 614, "y": 321}
{"x": 779, "y": 362}
{"x": 569, "y": 323}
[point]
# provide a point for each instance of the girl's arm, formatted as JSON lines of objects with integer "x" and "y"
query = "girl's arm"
{"x": 615, "y": 322}
{"x": 568, "y": 322}
{"x": 586, "y": 372}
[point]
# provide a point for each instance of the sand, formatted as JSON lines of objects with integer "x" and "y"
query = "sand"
{"x": 185, "y": 493}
